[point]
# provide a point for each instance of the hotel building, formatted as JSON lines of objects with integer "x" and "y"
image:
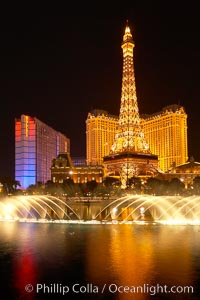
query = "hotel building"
{"x": 63, "y": 168}
{"x": 166, "y": 134}
{"x": 36, "y": 144}
{"x": 100, "y": 134}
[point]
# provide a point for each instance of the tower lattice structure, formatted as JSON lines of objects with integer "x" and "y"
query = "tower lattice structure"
{"x": 130, "y": 154}
{"x": 129, "y": 136}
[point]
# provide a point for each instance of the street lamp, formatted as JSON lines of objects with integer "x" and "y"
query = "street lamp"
{"x": 70, "y": 174}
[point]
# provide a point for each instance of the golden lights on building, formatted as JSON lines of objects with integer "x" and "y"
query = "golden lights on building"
{"x": 63, "y": 168}
{"x": 100, "y": 133}
{"x": 186, "y": 172}
{"x": 166, "y": 134}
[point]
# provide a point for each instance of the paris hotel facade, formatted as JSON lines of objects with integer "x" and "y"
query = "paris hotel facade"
{"x": 165, "y": 132}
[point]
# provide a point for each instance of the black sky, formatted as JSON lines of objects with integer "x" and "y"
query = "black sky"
{"x": 57, "y": 63}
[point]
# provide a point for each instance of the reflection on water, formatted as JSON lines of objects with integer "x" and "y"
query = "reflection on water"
{"x": 115, "y": 255}
{"x": 144, "y": 254}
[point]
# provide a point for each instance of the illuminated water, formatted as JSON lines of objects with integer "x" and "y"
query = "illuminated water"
{"x": 130, "y": 208}
{"x": 122, "y": 255}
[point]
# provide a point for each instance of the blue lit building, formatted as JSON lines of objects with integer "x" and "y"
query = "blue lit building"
{"x": 36, "y": 144}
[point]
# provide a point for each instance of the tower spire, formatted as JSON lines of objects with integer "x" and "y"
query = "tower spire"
{"x": 129, "y": 136}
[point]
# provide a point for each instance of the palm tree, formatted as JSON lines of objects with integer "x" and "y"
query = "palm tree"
{"x": 9, "y": 185}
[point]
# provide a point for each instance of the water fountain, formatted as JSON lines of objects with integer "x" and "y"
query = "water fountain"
{"x": 127, "y": 209}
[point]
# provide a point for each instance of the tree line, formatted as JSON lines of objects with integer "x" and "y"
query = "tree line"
{"x": 109, "y": 187}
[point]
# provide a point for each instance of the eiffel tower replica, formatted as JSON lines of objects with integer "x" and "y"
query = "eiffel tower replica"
{"x": 130, "y": 155}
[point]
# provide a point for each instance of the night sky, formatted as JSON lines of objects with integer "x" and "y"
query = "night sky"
{"x": 57, "y": 63}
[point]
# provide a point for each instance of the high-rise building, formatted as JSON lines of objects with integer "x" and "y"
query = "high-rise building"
{"x": 166, "y": 133}
{"x": 100, "y": 133}
{"x": 130, "y": 154}
{"x": 36, "y": 144}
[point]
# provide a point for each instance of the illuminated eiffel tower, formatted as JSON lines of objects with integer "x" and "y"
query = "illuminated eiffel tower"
{"x": 130, "y": 154}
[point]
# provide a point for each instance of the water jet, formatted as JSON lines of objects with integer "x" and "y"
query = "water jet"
{"x": 127, "y": 209}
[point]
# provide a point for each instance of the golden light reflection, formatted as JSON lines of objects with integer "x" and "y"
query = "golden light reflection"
{"x": 140, "y": 255}
{"x": 131, "y": 258}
